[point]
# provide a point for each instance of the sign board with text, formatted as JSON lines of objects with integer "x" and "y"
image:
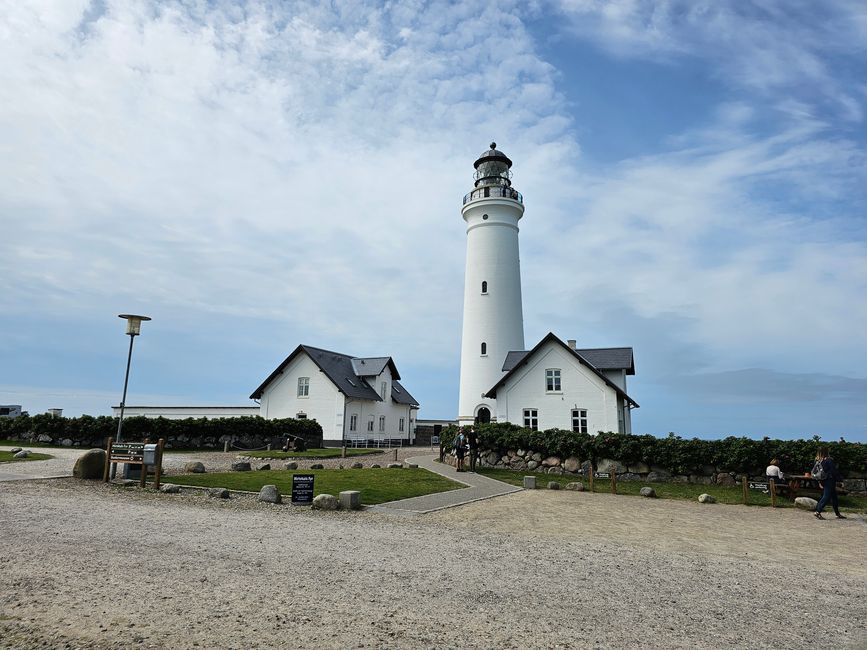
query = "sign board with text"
{"x": 302, "y": 489}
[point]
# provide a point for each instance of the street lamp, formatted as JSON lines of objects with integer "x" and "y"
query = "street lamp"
{"x": 133, "y": 328}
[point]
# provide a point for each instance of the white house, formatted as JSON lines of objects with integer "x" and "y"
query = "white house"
{"x": 352, "y": 398}
{"x": 555, "y": 385}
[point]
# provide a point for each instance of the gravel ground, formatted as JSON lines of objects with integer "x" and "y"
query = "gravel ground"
{"x": 88, "y": 565}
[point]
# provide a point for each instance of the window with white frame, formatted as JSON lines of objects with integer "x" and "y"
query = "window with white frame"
{"x": 353, "y": 422}
{"x": 303, "y": 386}
{"x": 381, "y": 423}
{"x": 531, "y": 419}
{"x": 382, "y": 388}
{"x": 552, "y": 380}
{"x": 400, "y": 425}
{"x": 370, "y": 424}
{"x": 579, "y": 420}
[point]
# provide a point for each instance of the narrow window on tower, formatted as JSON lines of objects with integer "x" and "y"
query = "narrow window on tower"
{"x": 484, "y": 349}
{"x": 484, "y": 286}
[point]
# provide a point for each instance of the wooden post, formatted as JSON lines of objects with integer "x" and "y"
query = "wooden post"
{"x": 395, "y": 454}
{"x": 744, "y": 486}
{"x": 144, "y": 468}
{"x": 343, "y": 451}
{"x": 773, "y": 494}
{"x": 160, "y": 445}
{"x": 226, "y": 447}
{"x": 591, "y": 477}
{"x": 107, "y": 460}
{"x": 613, "y": 482}
{"x": 269, "y": 446}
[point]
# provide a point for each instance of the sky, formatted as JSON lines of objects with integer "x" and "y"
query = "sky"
{"x": 255, "y": 175}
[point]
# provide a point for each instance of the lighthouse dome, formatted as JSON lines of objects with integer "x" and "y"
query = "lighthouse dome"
{"x": 492, "y": 167}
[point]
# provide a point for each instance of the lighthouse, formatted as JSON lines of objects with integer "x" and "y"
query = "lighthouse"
{"x": 493, "y": 315}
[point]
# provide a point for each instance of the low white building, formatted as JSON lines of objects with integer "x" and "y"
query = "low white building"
{"x": 555, "y": 385}
{"x": 184, "y": 412}
{"x": 357, "y": 399}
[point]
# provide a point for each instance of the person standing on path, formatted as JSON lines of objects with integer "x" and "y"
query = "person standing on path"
{"x": 473, "y": 444}
{"x": 827, "y": 473}
{"x": 460, "y": 445}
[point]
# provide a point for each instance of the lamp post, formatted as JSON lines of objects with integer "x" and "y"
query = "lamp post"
{"x": 133, "y": 329}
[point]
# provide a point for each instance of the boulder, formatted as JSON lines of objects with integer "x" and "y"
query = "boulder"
{"x": 629, "y": 476}
{"x": 21, "y": 454}
{"x": 576, "y": 486}
{"x": 292, "y": 465}
{"x": 127, "y": 482}
{"x": 411, "y": 465}
{"x": 394, "y": 466}
{"x": 511, "y": 453}
{"x": 241, "y": 466}
{"x": 43, "y": 438}
{"x": 706, "y": 498}
{"x": 553, "y": 485}
{"x": 555, "y": 470}
{"x": 168, "y": 488}
{"x": 350, "y": 500}
{"x": 66, "y": 442}
{"x": 806, "y": 503}
{"x": 724, "y": 478}
{"x": 647, "y": 492}
{"x": 551, "y": 461}
{"x": 518, "y": 464}
{"x": 375, "y": 466}
{"x": 356, "y": 465}
{"x": 194, "y": 468}
{"x": 317, "y": 466}
{"x": 325, "y": 502}
{"x": 700, "y": 479}
{"x": 608, "y": 465}
{"x": 218, "y": 493}
{"x": 531, "y": 465}
{"x": 264, "y": 467}
{"x": 90, "y": 465}
{"x": 639, "y": 468}
{"x": 269, "y": 494}
{"x": 522, "y": 453}
{"x": 855, "y": 486}
{"x": 14, "y": 450}
{"x": 492, "y": 458}
{"x": 537, "y": 457}
{"x": 572, "y": 464}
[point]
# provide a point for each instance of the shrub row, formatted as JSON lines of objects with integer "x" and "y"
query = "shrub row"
{"x": 677, "y": 455}
{"x": 89, "y": 431}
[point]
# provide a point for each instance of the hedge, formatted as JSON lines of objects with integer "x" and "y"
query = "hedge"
{"x": 677, "y": 455}
{"x": 191, "y": 432}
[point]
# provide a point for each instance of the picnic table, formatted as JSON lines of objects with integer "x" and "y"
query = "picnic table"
{"x": 807, "y": 486}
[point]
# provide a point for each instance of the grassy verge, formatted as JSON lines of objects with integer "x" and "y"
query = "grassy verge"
{"x": 6, "y": 457}
{"x": 686, "y": 491}
{"x": 319, "y": 454}
{"x": 24, "y": 444}
{"x": 377, "y": 485}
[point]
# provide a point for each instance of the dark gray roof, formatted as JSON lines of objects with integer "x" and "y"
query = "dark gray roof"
{"x": 401, "y": 395}
{"x": 336, "y": 366}
{"x": 373, "y": 366}
{"x": 518, "y": 357}
{"x": 599, "y": 358}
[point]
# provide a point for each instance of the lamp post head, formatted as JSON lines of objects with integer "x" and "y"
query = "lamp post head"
{"x": 133, "y": 323}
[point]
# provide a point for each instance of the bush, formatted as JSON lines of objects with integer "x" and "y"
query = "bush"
{"x": 676, "y": 454}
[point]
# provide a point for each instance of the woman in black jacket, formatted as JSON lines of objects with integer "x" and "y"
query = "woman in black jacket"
{"x": 829, "y": 485}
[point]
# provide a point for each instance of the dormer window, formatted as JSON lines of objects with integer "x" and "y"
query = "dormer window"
{"x": 484, "y": 286}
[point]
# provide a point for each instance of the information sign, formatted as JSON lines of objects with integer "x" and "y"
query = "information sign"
{"x": 763, "y": 487}
{"x": 602, "y": 475}
{"x": 127, "y": 452}
{"x": 302, "y": 489}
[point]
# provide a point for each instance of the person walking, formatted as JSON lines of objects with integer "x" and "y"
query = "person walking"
{"x": 826, "y": 472}
{"x": 473, "y": 445}
{"x": 460, "y": 445}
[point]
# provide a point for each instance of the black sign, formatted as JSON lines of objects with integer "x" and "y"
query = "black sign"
{"x": 764, "y": 487}
{"x": 127, "y": 452}
{"x": 602, "y": 475}
{"x": 302, "y": 489}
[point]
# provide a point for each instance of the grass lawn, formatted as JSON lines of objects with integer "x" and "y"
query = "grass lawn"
{"x": 6, "y": 457}
{"x": 24, "y": 444}
{"x": 688, "y": 491}
{"x": 327, "y": 452}
{"x": 377, "y": 485}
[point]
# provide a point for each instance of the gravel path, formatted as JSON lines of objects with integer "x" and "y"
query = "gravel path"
{"x": 88, "y": 565}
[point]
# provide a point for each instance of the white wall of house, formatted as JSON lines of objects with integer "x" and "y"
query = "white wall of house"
{"x": 581, "y": 388}
{"x": 371, "y": 411}
{"x": 323, "y": 402}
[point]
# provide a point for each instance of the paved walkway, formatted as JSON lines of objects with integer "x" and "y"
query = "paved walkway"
{"x": 478, "y": 488}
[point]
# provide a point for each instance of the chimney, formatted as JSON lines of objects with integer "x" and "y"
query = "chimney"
{"x": 571, "y": 343}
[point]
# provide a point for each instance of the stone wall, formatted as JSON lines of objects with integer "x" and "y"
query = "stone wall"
{"x": 180, "y": 441}
{"x": 521, "y": 460}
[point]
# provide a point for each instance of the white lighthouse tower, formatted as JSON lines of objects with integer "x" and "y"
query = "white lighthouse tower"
{"x": 493, "y": 315}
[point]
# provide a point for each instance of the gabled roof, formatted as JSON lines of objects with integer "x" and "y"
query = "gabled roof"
{"x": 373, "y": 366}
{"x": 599, "y": 358}
{"x": 401, "y": 395}
{"x": 519, "y": 358}
{"x": 336, "y": 366}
